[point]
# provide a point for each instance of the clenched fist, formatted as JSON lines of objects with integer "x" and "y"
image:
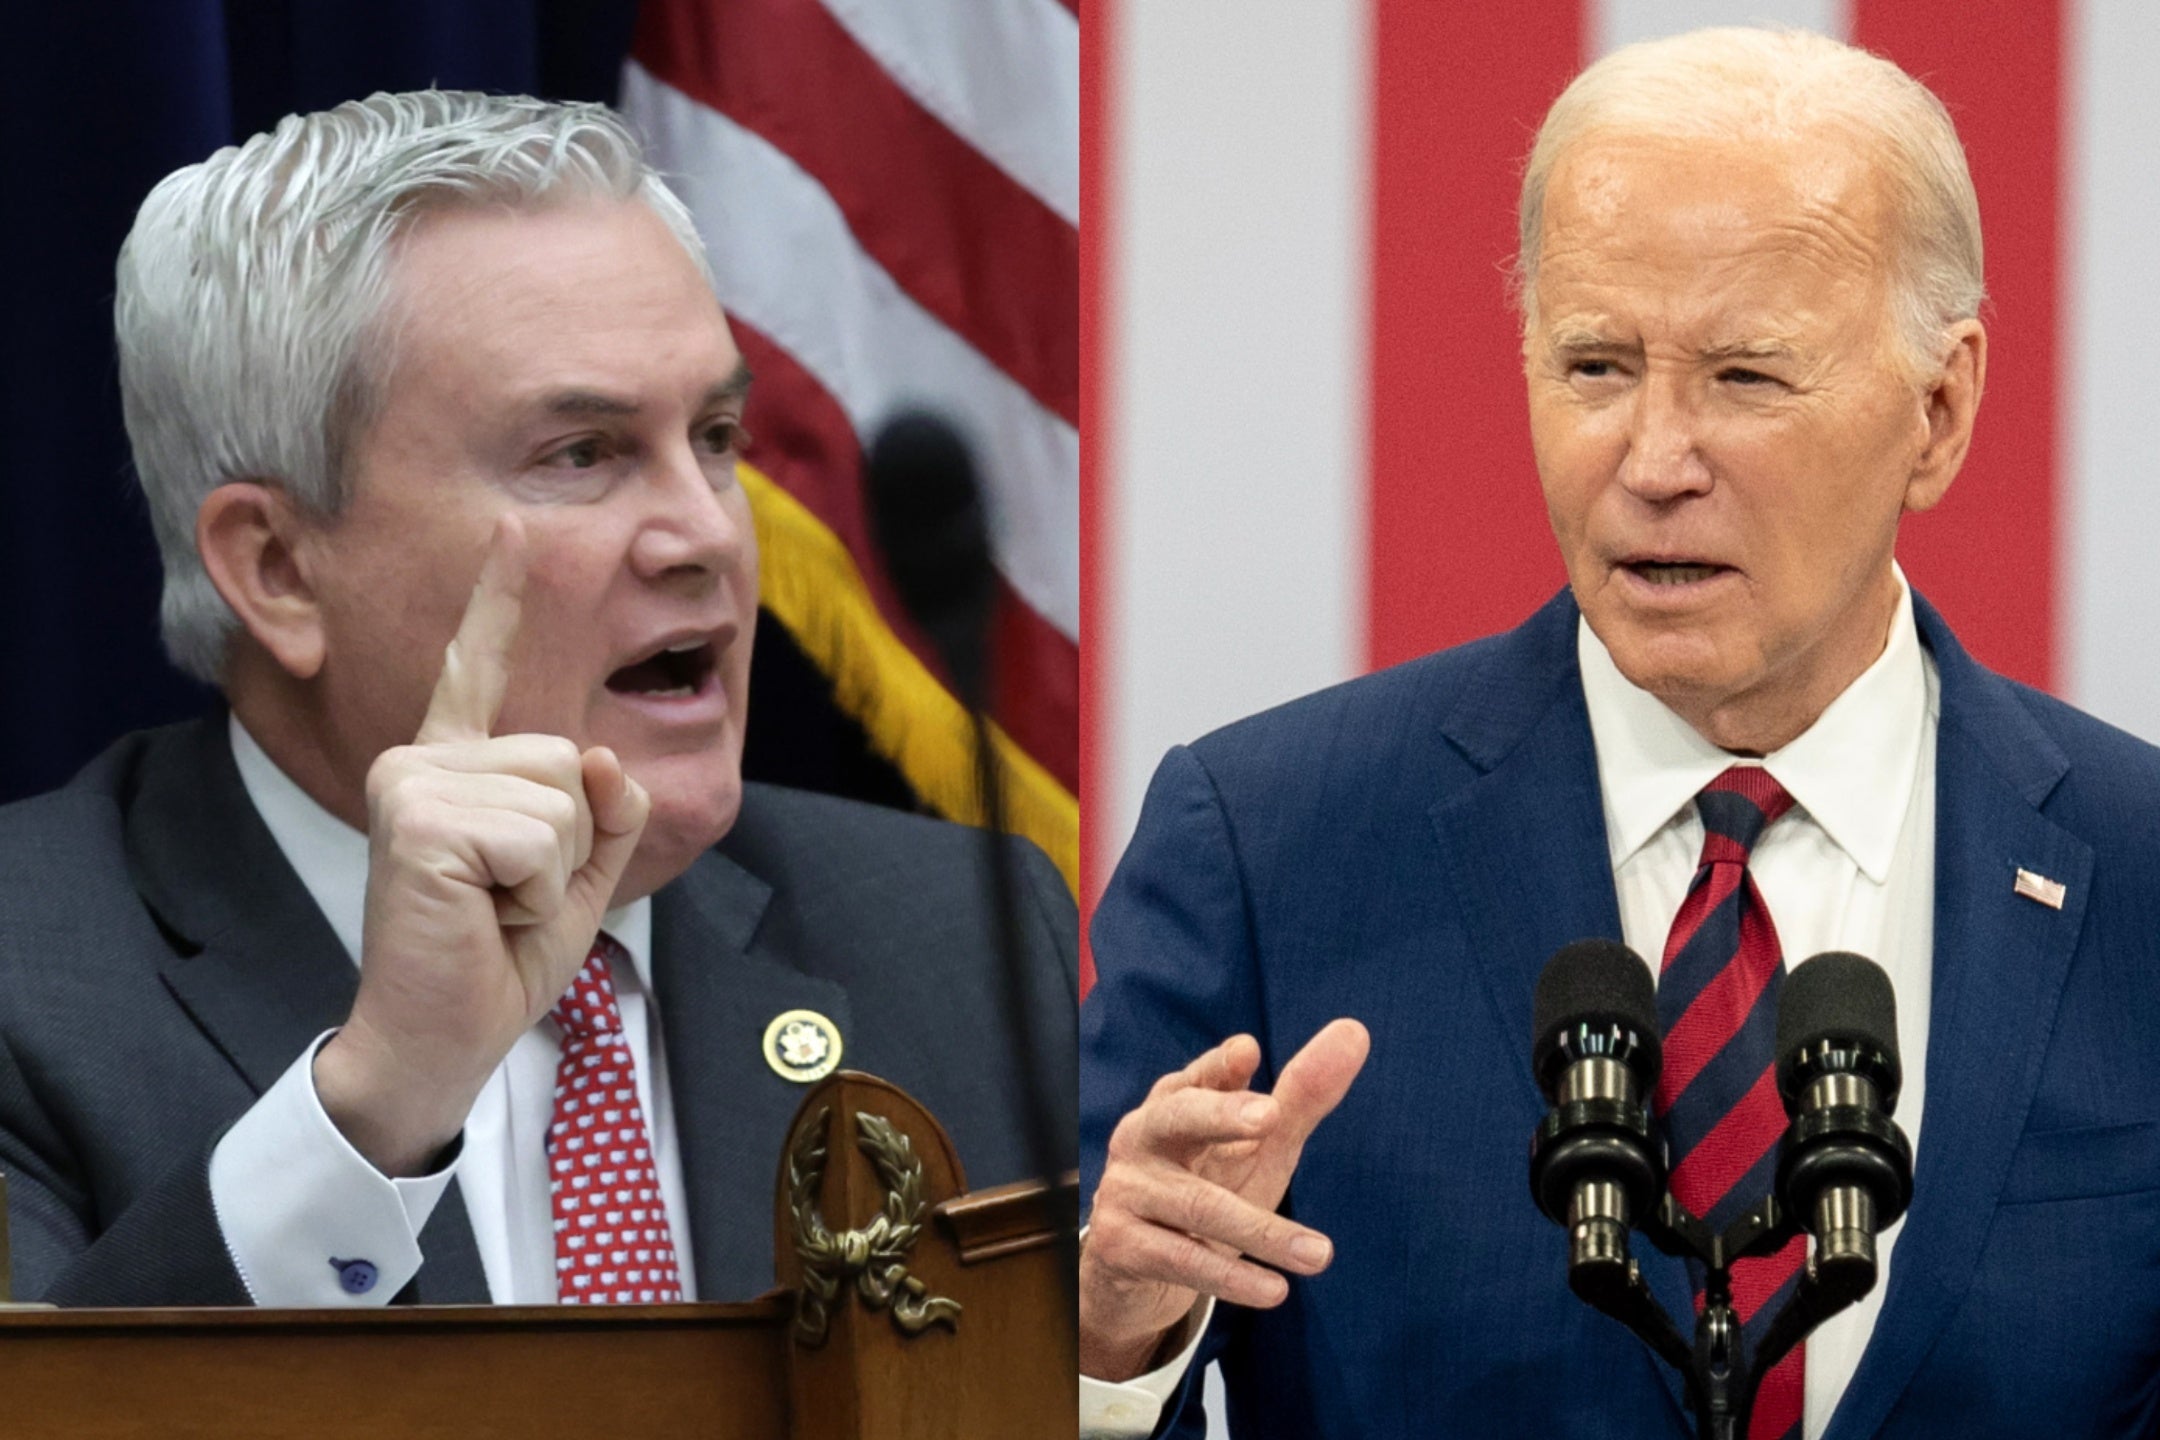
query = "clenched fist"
{"x": 490, "y": 862}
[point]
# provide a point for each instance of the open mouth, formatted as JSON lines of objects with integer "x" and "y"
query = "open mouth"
{"x": 674, "y": 673}
{"x": 1673, "y": 572}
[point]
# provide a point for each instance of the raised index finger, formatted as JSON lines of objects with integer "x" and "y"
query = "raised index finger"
{"x": 476, "y": 663}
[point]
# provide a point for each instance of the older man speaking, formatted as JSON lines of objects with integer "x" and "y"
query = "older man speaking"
{"x": 1750, "y": 280}
{"x": 447, "y": 369}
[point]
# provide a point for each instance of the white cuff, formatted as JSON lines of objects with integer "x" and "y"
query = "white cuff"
{"x": 308, "y": 1220}
{"x": 1130, "y": 1410}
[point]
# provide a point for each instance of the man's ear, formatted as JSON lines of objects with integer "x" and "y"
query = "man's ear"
{"x": 1950, "y": 405}
{"x": 251, "y": 539}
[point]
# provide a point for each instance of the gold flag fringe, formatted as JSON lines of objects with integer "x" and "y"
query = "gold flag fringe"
{"x": 809, "y": 583}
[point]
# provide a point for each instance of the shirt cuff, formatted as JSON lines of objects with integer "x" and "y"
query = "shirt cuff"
{"x": 308, "y": 1220}
{"x": 1130, "y": 1409}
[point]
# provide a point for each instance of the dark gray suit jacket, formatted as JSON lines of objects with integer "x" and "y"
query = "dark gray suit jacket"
{"x": 161, "y": 965}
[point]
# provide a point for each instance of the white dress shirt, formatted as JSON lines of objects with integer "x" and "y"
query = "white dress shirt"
{"x": 1850, "y": 867}
{"x": 297, "y": 1204}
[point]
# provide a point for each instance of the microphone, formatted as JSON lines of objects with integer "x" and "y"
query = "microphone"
{"x": 926, "y": 515}
{"x": 929, "y": 523}
{"x": 1844, "y": 1168}
{"x": 1595, "y": 1165}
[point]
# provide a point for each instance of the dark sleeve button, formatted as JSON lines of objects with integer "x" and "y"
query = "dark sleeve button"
{"x": 356, "y": 1276}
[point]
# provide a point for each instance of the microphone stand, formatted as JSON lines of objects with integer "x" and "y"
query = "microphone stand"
{"x": 1722, "y": 1376}
{"x": 1005, "y": 895}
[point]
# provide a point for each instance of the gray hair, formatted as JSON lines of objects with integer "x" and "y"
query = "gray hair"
{"x": 1738, "y": 83}
{"x": 253, "y": 288}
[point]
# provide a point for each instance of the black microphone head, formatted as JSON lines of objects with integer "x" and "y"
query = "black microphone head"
{"x": 926, "y": 514}
{"x": 1594, "y": 997}
{"x": 1837, "y": 1011}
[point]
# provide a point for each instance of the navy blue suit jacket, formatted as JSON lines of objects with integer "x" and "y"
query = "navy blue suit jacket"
{"x": 1409, "y": 848}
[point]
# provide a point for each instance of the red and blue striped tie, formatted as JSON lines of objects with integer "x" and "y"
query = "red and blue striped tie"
{"x": 1717, "y": 1002}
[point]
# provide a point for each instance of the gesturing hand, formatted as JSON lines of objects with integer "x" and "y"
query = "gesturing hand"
{"x": 490, "y": 862}
{"x": 1189, "y": 1190}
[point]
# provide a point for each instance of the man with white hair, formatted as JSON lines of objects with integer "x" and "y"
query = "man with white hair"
{"x": 1750, "y": 279}
{"x": 437, "y": 415}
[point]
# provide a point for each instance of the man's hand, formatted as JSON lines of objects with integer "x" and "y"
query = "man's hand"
{"x": 490, "y": 862}
{"x": 1189, "y": 1191}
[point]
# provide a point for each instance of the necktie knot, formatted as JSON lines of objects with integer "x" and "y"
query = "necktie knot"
{"x": 588, "y": 1007}
{"x": 1735, "y": 809}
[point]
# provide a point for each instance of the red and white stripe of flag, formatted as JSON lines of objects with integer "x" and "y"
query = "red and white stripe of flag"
{"x": 1308, "y": 451}
{"x": 890, "y": 195}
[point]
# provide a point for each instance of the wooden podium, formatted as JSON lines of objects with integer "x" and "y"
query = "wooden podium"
{"x": 908, "y": 1309}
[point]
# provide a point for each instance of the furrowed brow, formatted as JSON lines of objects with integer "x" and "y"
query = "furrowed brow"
{"x": 1749, "y": 350}
{"x": 734, "y": 387}
{"x": 1575, "y": 337}
{"x": 578, "y": 404}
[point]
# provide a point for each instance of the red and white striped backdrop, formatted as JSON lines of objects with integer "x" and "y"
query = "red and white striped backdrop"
{"x": 890, "y": 195}
{"x": 1307, "y": 451}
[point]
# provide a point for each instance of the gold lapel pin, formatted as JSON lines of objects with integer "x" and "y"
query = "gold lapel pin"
{"x": 2038, "y": 887}
{"x": 802, "y": 1046}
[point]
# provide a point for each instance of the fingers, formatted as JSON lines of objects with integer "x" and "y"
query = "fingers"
{"x": 619, "y": 803}
{"x": 543, "y": 759}
{"x": 1229, "y": 1066}
{"x": 1184, "y": 1202}
{"x": 476, "y": 665}
{"x": 620, "y": 807}
{"x": 1165, "y": 1226}
{"x": 1152, "y": 1254}
{"x": 1181, "y": 1121}
{"x": 524, "y": 839}
{"x": 1318, "y": 1076}
{"x": 523, "y": 857}
{"x": 1206, "y": 1102}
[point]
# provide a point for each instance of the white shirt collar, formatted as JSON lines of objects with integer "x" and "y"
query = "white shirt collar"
{"x": 1852, "y": 770}
{"x": 331, "y": 858}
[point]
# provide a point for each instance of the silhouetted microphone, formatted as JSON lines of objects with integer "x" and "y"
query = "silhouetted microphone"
{"x": 1595, "y": 1166}
{"x": 1844, "y": 1169}
{"x": 928, "y": 520}
{"x": 926, "y": 514}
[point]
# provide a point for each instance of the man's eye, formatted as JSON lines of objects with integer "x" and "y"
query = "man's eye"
{"x": 1592, "y": 369}
{"x": 724, "y": 437}
{"x": 579, "y": 455}
{"x": 1741, "y": 375}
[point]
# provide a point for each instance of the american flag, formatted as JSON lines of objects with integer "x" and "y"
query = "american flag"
{"x": 1309, "y": 454}
{"x": 890, "y": 196}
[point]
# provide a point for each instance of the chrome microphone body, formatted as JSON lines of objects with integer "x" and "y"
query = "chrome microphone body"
{"x": 1844, "y": 1168}
{"x": 1596, "y": 1166}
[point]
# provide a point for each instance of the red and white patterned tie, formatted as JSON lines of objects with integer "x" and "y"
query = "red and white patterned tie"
{"x": 1717, "y": 1002}
{"x": 612, "y": 1241}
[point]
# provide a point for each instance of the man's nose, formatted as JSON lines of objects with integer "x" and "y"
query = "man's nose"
{"x": 1664, "y": 455}
{"x": 691, "y": 537}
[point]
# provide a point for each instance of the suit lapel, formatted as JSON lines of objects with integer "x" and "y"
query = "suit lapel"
{"x": 720, "y": 981}
{"x": 1535, "y": 814}
{"x": 255, "y": 965}
{"x": 2000, "y": 962}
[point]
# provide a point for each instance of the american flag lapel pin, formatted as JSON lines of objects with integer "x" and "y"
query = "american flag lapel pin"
{"x": 2038, "y": 887}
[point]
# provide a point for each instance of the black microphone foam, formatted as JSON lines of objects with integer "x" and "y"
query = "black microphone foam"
{"x": 1845, "y": 1001}
{"x": 926, "y": 514}
{"x": 1601, "y": 985}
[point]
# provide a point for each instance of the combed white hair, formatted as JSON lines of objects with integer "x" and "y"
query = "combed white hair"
{"x": 252, "y": 288}
{"x": 1739, "y": 83}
